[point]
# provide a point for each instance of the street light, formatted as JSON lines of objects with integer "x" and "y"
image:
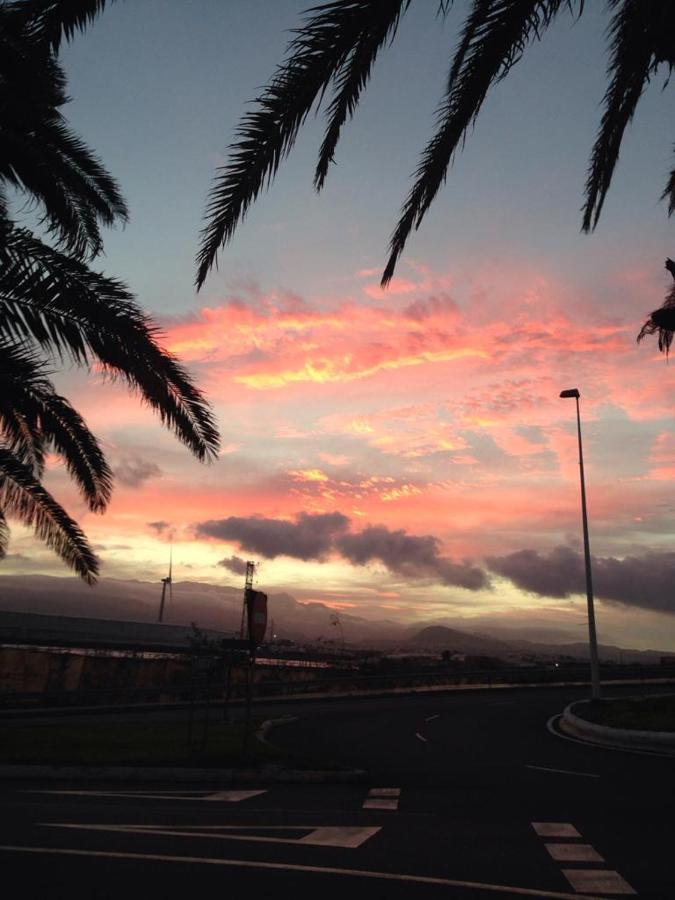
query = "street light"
{"x": 592, "y": 639}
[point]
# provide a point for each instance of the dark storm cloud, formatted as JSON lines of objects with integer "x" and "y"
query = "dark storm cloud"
{"x": 645, "y": 581}
{"x": 315, "y": 536}
{"x": 234, "y": 563}
{"x": 309, "y": 537}
{"x": 556, "y": 574}
{"x": 133, "y": 471}
{"x": 408, "y": 555}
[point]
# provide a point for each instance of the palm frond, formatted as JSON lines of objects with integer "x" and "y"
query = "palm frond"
{"x": 71, "y": 185}
{"x": 20, "y": 431}
{"x": 69, "y": 310}
{"x": 662, "y": 320}
{"x": 4, "y": 536}
{"x": 58, "y": 20}
{"x": 266, "y": 135}
{"x": 22, "y": 496}
{"x": 39, "y": 154}
{"x": 629, "y": 68}
{"x": 493, "y": 40}
{"x": 351, "y": 80}
{"x": 34, "y": 417}
{"x": 669, "y": 192}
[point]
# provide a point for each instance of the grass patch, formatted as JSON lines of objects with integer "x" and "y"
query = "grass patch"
{"x": 636, "y": 713}
{"x": 140, "y": 743}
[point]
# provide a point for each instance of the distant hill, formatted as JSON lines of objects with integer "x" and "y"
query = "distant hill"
{"x": 208, "y": 605}
{"x": 218, "y": 606}
{"x": 438, "y": 637}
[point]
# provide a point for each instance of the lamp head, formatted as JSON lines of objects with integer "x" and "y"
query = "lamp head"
{"x": 572, "y": 392}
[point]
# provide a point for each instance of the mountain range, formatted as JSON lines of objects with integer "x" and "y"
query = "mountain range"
{"x": 219, "y": 607}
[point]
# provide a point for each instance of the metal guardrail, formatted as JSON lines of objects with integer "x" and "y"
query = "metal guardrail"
{"x": 206, "y": 687}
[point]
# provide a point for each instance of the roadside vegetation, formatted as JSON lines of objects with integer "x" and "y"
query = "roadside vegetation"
{"x": 137, "y": 743}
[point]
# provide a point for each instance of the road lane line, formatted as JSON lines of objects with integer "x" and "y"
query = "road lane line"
{"x": 421, "y": 737}
{"x": 574, "y": 853}
{"x": 294, "y": 867}
{"x": 431, "y": 718}
{"x": 555, "y": 829}
{"x": 563, "y": 771}
{"x": 599, "y": 881}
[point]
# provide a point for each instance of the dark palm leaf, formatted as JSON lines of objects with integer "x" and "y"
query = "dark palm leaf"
{"x": 34, "y": 417}
{"x": 39, "y": 154}
{"x": 265, "y": 136}
{"x": 22, "y": 496}
{"x": 19, "y": 432}
{"x": 69, "y": 310}
{"x": 352, "y": 79}
{"x": 493, "y": 40}
{"x": 57, "y": 167}
{"x": 669, "y": 192}
{"x": 630, "y": 65}
{"x": 662, "y": 321}
{"x": 4, "y": 536}
{"x": 56, "y": 20}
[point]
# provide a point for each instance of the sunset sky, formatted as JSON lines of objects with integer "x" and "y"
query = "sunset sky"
{"x": 400, "y": 454}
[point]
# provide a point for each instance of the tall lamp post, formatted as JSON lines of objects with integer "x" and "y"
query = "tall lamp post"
{"x": 592, "y": 639}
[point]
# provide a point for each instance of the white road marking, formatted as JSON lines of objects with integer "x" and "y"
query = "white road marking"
{"x": 421, "y": 737}
{"x": 380, "y": 803}
{"x": 223, "y": 796}
{"x": 382, "y": 798}
{"x": 597, "y": 881}
{"x": 563, "y": 771}
{"x": 555, "y": 829}
{"x": 344, "y": 836}
{"x": 319, "y": 835}
{"x": 293, "y": 867}
{"x": 574, "y": 853}
{"x": 232, "y": 796}
{"x": 431, "y": 718}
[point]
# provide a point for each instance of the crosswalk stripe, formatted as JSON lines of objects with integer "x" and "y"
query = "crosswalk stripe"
{"x": 555, "y": 829}
{"x": 382, "y": 798}
{"x": 574, "y": 853}
{"x": 597, "y": 881}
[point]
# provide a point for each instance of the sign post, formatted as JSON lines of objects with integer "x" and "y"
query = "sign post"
{"x": 256, "y": 620}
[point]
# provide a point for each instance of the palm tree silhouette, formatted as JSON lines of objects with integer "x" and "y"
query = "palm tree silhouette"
{"x": 53, "y": 306}
{"x": 333, "y": 52}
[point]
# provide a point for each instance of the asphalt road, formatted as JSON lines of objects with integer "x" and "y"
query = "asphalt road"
{"x": 467, "y": 795}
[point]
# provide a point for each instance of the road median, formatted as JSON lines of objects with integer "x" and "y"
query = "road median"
{"x": 633, "y": 723}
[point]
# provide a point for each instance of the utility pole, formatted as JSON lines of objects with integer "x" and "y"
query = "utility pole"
{"x": 592, "y": 638}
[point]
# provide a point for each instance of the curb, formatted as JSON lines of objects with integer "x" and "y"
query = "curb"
{"x": 620, "y": 738}
{"x": 267, "y": 775}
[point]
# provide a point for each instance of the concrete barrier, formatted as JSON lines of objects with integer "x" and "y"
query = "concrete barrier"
{"x": 619, "y": 738}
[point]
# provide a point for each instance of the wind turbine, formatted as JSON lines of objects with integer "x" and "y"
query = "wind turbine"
{"x": 166, "y": 581}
